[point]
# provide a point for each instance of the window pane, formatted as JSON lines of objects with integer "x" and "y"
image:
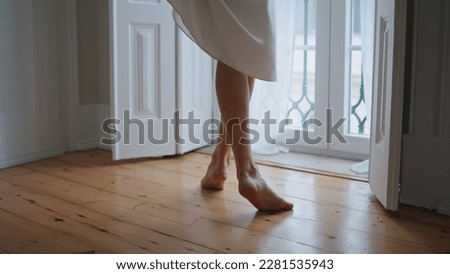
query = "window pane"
{"x": 302, "y": 94}
{"x": 357, "y": 104}
{"x": 356, "y": 23}
{"x": 357, "y": 111}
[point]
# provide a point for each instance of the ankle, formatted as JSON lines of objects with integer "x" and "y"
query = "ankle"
{"x": 220, "y": 159}
{"x": 247, "y": 171}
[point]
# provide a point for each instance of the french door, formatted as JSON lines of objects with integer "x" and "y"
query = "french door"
{"x": 159, "y": 76}
{"x": 329, "y": 54}
{"x": 328, "y": 77}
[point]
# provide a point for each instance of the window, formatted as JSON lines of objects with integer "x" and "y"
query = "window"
{"x": 332, "y": 68}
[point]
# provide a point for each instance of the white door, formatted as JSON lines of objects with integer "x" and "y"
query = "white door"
{"x": 194, "y": 95}
{"x": 389, "y": 59}
{"x": 29, "y": 106}
{"x": 143, "y": 78}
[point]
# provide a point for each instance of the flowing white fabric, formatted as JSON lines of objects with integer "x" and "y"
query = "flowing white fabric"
{"x": 274, "y": 96}
{"x": 238, "y": 33}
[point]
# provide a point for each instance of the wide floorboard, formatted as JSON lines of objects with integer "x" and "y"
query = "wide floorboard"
{"x": 86, "y": 203}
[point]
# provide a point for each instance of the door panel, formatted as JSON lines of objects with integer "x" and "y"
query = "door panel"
{"x": 387, "y": 101}
{"x": 143, "y": 78}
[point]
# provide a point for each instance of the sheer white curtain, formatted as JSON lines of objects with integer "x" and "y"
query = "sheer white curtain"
{"x": 274, "y": 96}
{"x": 367, "y": 16}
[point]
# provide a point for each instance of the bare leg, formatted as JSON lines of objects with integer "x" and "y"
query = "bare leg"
{"x": 233, "y": 94}
{"x": 216, "y": 174}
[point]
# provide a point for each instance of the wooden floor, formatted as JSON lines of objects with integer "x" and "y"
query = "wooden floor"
{"x": 86, "y": 203}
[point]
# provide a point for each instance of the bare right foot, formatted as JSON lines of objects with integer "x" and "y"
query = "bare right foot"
{"x": 256, "y": 190}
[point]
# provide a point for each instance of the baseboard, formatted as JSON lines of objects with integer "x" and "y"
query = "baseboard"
{"x": 87, "y": 127}
{"x": 30, "y": 157}
{"x": 91, "y": 144}
{"x": 104, "y": 147}
{"x": 87, "y": 144}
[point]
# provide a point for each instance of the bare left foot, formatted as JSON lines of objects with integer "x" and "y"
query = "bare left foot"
{"x": 215, "y": 177}
{"x": 216, "y": 174}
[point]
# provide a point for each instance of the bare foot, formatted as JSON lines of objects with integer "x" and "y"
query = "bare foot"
{"x": 216, "y": 174}
{"x": 256, "y": 190}
{"x": 215, "y": 177}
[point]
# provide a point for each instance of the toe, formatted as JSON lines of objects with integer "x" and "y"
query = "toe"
{"x": 288, "y": 206}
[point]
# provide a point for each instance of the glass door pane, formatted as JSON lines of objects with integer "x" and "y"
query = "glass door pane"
{"x": 308, "y": 95}
{"x": 330, "y": 84}
{"x": 357, "y": 122}
{"x": 351, "y": 73}
{"x": 302, "y": 93}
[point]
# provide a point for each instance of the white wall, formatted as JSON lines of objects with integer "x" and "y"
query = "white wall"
{"x": 93, "y": 51}
{"x": 29, "y": 103}
{"x": 425, "y": 177}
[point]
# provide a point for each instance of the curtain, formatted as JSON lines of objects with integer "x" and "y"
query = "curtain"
{"x": 274, "y": 96}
